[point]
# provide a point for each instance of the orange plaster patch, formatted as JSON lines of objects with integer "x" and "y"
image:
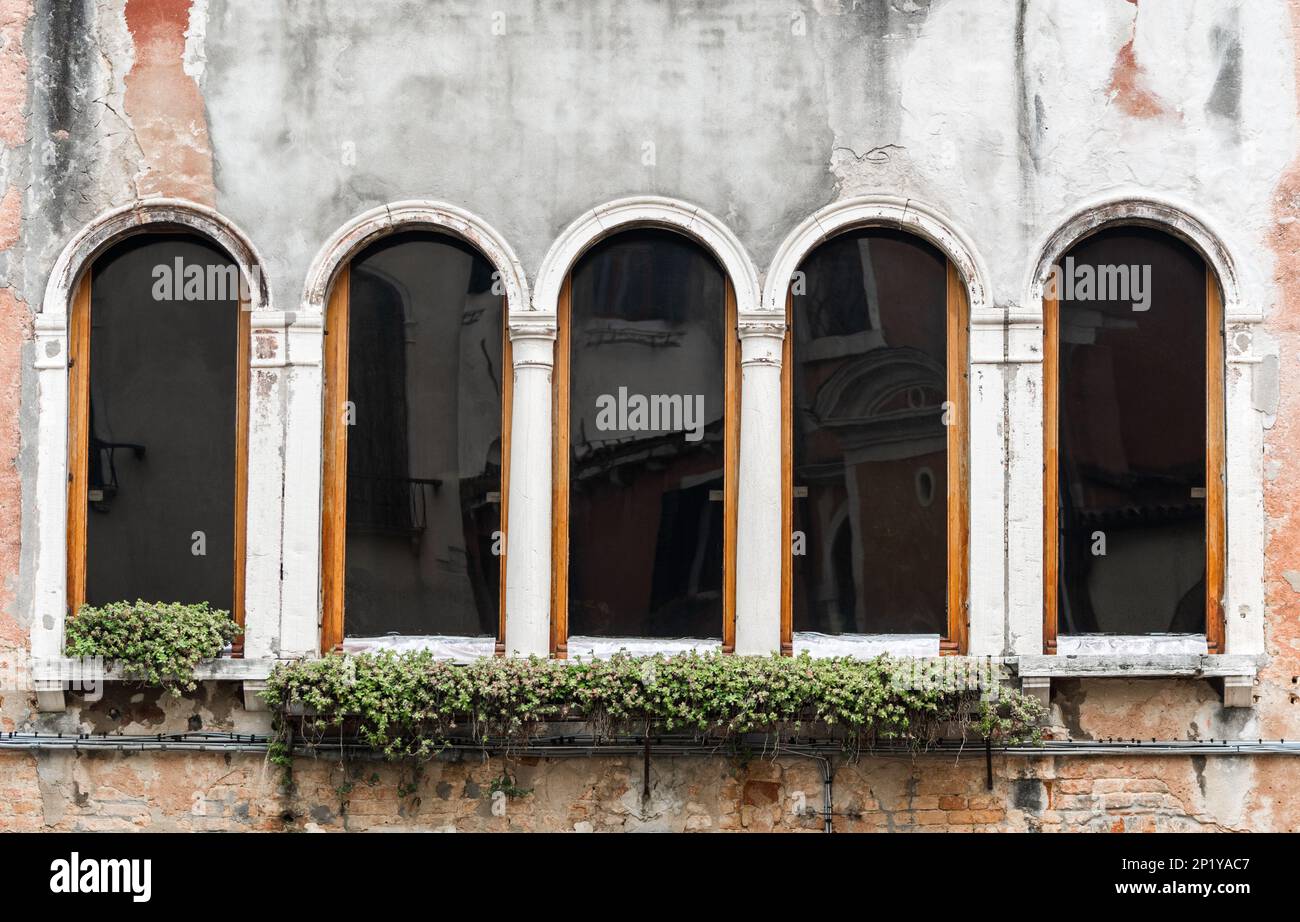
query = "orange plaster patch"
{"x": 1280, "y": 704}
{"x": 165, "y": 105}
{"x": 1127, "y": 79}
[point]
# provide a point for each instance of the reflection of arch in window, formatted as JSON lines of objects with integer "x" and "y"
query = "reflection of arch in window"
{"x": 414, "y": 485}
{"x": 883, "y": 403}
{"x": 1133, "y": 391}
{"x": 158, "y": 378}
{"x": 643, "y": 506}
{"x": 877, "y": 349}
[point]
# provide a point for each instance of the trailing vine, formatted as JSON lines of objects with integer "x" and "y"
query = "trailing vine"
{"x": 159, "y": 643}
{"x": 410, "y": 705}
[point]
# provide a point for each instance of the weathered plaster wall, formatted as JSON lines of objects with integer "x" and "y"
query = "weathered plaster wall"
{"x": 15, "y": 318}
{"x": 1003, "y": 115}
{"x": 292, "y": 118}
{"x": 103, "y": 793}
{"x": 108, "y": 791}
{"x": 1279, "y": 685}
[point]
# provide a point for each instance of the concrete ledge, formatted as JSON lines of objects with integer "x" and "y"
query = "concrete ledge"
{"x": 221, "y": 670}
{"x": 1154, "y": 666}
{"x": 1237, "y": 673}
{"x": 53, "y": 677}
{"x": 1035, "y": 672}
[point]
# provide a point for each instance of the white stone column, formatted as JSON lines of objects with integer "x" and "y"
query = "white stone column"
{"x": 759, "y": 542}
{"x": 988, "y": 483}
{"x": 265, "y": 501}
{"x": 51, "y": 504}
{"x": 1244, "y": 475}
{"x": 1024, "y": 491}
{"x": 299, "y": 628}
{"x": 528, "y": 531}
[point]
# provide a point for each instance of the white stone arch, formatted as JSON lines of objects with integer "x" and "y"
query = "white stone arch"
{"x": 876, "y": 211}
{"x": 51, "y": 364}
{"x": 984, "y": 407}
{"x": 414, "y": 214}
{"x": 152, "y": 215}
{"x": 1244, "y": 418}
{"x": 302, "y": 492}
{"x": 1173, "y": 218}
{"x": 528, "y": 560}
{"x": 646, "y": 211}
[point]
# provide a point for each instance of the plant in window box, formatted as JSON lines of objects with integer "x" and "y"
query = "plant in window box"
{"x": 412, "y": 705}
{"x": 158, "y": 643}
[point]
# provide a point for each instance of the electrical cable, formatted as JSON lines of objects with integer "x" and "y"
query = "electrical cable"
{"x": 665, "y": 745}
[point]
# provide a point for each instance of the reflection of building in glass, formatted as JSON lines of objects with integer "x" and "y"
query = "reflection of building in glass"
{"x": 424, "y": 449}
{"x": 1132, "y": 446}
{"x": 870, "y": 451}
{"x": 646, "y": 510}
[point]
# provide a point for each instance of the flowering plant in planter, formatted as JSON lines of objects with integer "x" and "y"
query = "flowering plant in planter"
{"x": 159, "y": 643}
{"x": 410, "y": 705}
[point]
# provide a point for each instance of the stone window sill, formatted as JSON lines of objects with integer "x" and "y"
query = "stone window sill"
{"x": 1131, "y": 645}
{"x": 53, "y": 677}
{"x": 866, "y": 646}
{"x": 1235, "y": 671}
{"x": 605, "y": 647}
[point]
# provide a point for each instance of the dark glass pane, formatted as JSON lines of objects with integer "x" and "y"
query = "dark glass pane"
{"x": 646, "y": 416}
{"x": 870, "y": 446}
{"x": 162, "y": 423}
{"x": 424, "y": 448}
{"x": 1132, "y": 435}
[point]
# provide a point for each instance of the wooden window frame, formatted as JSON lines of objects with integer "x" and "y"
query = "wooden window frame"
{"x": 79, "y": 451}
{"x": 334, "y": 455}
{"x": 957, "y": 344}
{"x": 1215, "y": 460}
{"x": 560, "y": 425}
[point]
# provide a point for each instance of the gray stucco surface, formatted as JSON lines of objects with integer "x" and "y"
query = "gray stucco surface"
{"x": 1005, "y": 115}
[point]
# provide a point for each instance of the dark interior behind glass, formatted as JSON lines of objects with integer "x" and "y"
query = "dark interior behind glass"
{"x": 645, "y": 506}
{"x": 1132, "y": 453}
{"x": 162, "y": 429}
{"x": 870, "y": 445}
{"x": 424, "y": 449}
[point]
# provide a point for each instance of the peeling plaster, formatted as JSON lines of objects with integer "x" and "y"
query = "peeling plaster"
{"x": 1128, "y": 84}
{"x": 167, "y": 111}
{"x": 195, "y": 58}
{"x": 1265, "y": 387}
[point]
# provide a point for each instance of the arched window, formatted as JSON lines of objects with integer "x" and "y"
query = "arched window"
{"x": 1134, "y": 436}
{"x": 417, "y": 396}
{"x": 875, "y": 375}
{"x": 646, "y": 443}
{"x": 158, "y": 405}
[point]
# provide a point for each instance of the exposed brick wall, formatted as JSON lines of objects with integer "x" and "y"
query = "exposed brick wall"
{"x": 203, "y": 791}
{"x": 930, "y": 793}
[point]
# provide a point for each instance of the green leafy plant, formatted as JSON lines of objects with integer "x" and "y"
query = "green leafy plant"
{"x": 159, "y": 643}
{"x": 506, "y": 785}
{"x": 410, "y": 705}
